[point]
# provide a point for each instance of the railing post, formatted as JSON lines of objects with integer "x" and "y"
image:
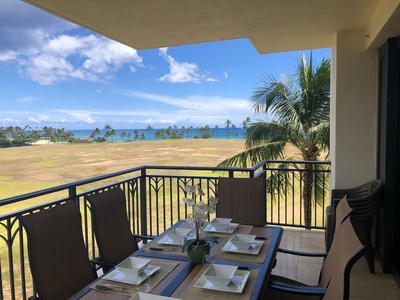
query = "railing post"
{"x": 72, "y": 194}
{"x": 143, "y": 204}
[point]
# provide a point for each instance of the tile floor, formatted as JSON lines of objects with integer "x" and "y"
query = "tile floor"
{"x": 363, "y": 285}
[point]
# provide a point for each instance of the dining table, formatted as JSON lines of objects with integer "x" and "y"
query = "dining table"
{"x": 177, "y": 277}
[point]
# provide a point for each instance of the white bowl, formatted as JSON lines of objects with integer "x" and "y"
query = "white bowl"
{"x": 146, "y": 296}
{"x": 221, "y": 223}
{"x": 133, "y": 266}
{"x": 242, "y": 241}
{"x": 220, "y": 274}
{"x": 178, "y": 234}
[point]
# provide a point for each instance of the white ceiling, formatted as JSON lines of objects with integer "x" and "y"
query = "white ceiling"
{"x": 271, "y": 25}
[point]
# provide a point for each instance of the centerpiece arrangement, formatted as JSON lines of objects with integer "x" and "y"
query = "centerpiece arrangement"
{"x": 198, "y": 247}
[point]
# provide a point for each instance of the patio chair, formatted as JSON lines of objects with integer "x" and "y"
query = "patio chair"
{"x": 242, "y": 199}
{"x": 111, "y": 227}
{"x": 58, "y": 258}
{"x": 343, "y": 211}
{"x": 334, "y": 280}
{"x": 364, "y": 200}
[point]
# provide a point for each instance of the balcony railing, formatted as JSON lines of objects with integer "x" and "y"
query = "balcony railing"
{"x": 154, "y": 202}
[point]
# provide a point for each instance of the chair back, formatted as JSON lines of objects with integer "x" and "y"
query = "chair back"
{"x": 111, "y": 226}
{"x": 57, "y": 254}
{"x": 242, "y": 199}
{"x": 343, "y": 211}
{"x": 346, "y": 249}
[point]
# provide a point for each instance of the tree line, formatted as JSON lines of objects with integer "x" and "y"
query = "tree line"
{"x": 18, "y": 136}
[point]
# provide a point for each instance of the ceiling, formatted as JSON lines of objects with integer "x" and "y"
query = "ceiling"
{"x": 271, "y": 25}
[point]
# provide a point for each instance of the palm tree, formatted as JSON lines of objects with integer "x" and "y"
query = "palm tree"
{"x": 299, "y": 110}
{"x": 149, "y": 128}
{"x": 123, "y": 135}
{"x": 246, "y": 125}
{"x": 108, "y": 129}
{"x": 227, "y": 123}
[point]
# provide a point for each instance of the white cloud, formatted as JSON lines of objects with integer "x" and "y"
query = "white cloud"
{"x": 182, "y": 71}
{"x": 203, "y": 104}
{"x": 77, "y": 115}
{"x": 89, "y": 58}
{"x": 39, "y": 119}
{"x": 32, "y": 39}
{"x": 26, "y": 99}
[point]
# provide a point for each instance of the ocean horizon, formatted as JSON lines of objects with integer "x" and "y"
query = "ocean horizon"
{"x": 216, "y": 133}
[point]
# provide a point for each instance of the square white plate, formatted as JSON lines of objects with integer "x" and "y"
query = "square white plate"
{"x": 145, "y": 296}
{"x": 166, "y": 240}
{"x": 254, "y": 250}
{"x": 210, "y": 228}
{"x": 116, "y": 275}
{"x": 235, "y": 286}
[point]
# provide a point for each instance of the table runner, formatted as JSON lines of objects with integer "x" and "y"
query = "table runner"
{"x": 176, "y": 250}
{"x": 248, "y": 258}
{"x": 194, "y": 293}
{"x": 166, "y": 267}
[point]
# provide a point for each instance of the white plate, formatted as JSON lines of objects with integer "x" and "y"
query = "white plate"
{"x": 116, "y": 275}
{"x": 166, "y": 240}
{"x": 145, "y": 296}
{"x": 210, "y": 228}
{"x": 229, "y": 247}
{"x": 235, "y": 286}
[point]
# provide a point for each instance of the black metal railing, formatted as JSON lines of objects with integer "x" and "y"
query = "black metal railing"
{"x": 154, "y": 202}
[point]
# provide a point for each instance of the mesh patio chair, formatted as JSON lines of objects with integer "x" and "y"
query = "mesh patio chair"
{"x": 111, "y": 227}
{"x": 242, "y": 199}
{"x": 364, "y": 200}
{"x": 57, "y": 254}
{"x": 334, "y": 280}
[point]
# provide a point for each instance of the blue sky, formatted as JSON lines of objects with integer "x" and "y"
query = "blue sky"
{"x": 54, "y": 73}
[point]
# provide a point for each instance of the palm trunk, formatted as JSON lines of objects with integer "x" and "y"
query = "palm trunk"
{"x": 307, "y": 194}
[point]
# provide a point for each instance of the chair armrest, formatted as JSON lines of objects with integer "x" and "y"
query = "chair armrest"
{"x": 296, "y": 289}
{"x": 102, "y": 262}
{"x": 144, "y": 237}
{"x": 308, "y": 254}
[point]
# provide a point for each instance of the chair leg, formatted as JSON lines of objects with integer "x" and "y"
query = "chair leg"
{"x": 369, "y": 254}
{"x": 364, "y": 234}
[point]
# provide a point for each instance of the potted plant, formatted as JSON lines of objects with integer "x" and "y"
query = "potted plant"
{"x": 198, "y": 247}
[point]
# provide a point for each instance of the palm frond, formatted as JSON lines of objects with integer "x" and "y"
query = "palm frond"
{"x": 252, "y": 156}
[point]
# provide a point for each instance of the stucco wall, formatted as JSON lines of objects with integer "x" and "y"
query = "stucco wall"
{"x": 353, "y": 110}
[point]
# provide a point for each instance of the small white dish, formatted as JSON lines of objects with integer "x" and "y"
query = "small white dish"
{"x": 116, "y": 275}
{"x": 133, "y": 266}
{"x": 220, "y": 274}
{"x": 253, "y": 250}
{"x": 235, "y": 286}
{"x": 221, "y": 223}
{"x": 242, "y": 241}
{"x": 178, "y": 234}
{"x": 225, "y": 221}
{"x": 230, "y": 229}
{"x": 146, "y": 296}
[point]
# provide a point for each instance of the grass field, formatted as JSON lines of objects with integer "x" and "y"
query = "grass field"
{"x": 27, "y": 169}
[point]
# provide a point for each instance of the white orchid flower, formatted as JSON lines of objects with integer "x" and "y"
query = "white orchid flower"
{"x": 213, "y": 201}
{"x": 199, "y": 214}
{"x": 191, "y": 189}
{"x": 201, "y": 206}
{"x": 188, "y": 201}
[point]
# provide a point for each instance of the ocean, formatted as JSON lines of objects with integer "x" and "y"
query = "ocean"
{"x": 216, "y": 133}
